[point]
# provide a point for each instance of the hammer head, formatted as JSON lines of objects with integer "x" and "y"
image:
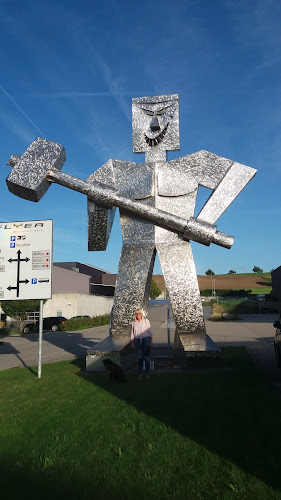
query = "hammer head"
{"x": 28, "y": 179}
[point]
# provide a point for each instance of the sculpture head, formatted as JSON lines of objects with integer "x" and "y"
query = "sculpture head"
{"x": 156, "y": 123}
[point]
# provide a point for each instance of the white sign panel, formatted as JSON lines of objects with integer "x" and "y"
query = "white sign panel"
{"x": 26, "y": 250}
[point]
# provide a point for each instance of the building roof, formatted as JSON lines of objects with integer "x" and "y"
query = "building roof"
{"x": 76, "y": 264}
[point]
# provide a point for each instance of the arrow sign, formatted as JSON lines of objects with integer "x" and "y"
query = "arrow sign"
{"x": 26, "y": 259}
{"x": 18, "y": 260}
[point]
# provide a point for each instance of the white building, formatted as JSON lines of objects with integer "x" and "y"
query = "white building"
{"x": 78, "y": 290}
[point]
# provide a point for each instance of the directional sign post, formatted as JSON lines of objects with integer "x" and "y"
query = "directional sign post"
{"x": 26, "y": 250}
{"x": 26, "y": 260}
{"x": 18, "y": 260}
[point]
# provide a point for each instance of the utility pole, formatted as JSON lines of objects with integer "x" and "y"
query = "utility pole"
{"x": 213, "y": 285}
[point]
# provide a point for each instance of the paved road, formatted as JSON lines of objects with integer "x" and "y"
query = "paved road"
{"x": 57, "y": 346}
{"x": 253, "y": 331}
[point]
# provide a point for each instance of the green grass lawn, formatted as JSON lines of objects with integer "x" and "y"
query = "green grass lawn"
{"x": 235, "y": 307}
{"x": 206, "y": 434}
{"x": 260, "y": 275}
{"x": 265, "y": 290}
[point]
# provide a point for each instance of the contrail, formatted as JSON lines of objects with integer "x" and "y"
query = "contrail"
{"x": 85, "y": 94}
{"x": 21, "y": 110}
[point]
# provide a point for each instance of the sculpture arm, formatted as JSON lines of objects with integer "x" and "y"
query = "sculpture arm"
{"x": 227, "y": 179}
{"x": 100, "y": 219}
{"x": 236, "y": 178}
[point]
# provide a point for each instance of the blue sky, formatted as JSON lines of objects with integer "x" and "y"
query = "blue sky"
{"x": 70, "y": 69}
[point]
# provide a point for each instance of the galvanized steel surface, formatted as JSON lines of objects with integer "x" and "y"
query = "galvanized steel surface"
{"x": 172, "y": 188}
{"x": 156, "y": 124}
{"x": 156, "y": 201}
{"x": 28, "y": 178}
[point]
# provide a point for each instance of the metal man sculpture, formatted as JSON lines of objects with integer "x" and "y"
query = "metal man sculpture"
{"x": 171, "y": 187}
{"x": 156, "y": 202}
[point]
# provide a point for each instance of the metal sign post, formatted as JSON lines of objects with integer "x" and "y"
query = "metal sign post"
{"x": 40, "y": 339}
{"x": 26, "y": 250}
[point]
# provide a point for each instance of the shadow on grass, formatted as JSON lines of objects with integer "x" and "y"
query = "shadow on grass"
{"x": 233, "y": 411}
{"x": 20, "y": 482}
{"x": 211, "y": 432}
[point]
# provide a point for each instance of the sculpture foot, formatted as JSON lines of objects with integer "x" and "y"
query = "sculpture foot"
{"x": 118, "y": 349}
{"x": 195, "y": 345}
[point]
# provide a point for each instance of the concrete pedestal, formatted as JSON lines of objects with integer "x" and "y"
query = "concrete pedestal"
{"x": 188, "y": 345}
{"x": 117, "y": 348}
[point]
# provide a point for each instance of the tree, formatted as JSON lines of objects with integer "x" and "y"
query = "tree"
{"x": 257, "y": 269}
{"x": 154, "y": 290}
{"x": 231, "y": 271}
{"x": 209, "y": 272}
{"x": 18, "y": 309}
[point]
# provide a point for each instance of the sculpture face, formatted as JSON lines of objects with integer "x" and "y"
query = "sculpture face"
{"x": 156, "y": 123}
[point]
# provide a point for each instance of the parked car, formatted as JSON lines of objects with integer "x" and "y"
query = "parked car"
{"x": 28, "y": 327}
{"x": 53, "y": 322}
{"x": 277, "y": 342}
{"x": 50, "y": 323}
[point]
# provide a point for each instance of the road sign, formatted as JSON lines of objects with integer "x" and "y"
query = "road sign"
{"x": 26, "y": 250}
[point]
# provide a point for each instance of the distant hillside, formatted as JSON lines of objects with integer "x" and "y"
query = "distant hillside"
{"x": 228, "y": 281}
{"x": 235, "y": 282}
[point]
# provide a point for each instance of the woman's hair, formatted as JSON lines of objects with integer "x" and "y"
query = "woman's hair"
{"x": 138, "y": 311}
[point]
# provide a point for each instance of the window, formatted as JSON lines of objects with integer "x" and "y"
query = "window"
{"x": 33, "y": 316}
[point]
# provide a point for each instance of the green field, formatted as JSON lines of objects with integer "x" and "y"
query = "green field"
{"x": 206, "y": 434}
{"x": 266, "y": 276}
{"x": 261, "y": 290}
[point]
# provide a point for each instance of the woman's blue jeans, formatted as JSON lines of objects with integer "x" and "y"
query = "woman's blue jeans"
{"x": 143, "y": 350}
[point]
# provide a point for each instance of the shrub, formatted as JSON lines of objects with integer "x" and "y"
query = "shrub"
{"x": 247, "y": 307}
{"x": 217, "y": 312}
{"x": 209, "y": 272}
{"x": 226, "y": 293}
{"x": 83, "y": 323}
{"x": 14, "y": 331}
{"x": 257, "y": 269}
{"x": 233, "y": 308}
{"x": 155, "y": 291}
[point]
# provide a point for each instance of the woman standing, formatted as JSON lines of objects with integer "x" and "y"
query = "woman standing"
{"x": 142, "y": 341}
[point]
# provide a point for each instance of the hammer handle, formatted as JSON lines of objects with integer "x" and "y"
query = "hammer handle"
{"x": 103, "y": 195}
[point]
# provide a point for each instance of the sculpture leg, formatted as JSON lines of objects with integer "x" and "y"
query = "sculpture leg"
{"x": 180, "y": 276}
{"x": 181, "y": 280}
{"x": 133, "y": 284}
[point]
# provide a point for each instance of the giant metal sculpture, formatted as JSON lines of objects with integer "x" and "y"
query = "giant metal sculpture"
{"x": 156, "y": 202}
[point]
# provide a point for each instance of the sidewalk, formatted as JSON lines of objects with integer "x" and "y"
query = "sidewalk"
{"x": 56, "y": 346}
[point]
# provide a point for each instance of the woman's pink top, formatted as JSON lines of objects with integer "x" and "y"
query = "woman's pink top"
{"x": 141, "y": 329}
